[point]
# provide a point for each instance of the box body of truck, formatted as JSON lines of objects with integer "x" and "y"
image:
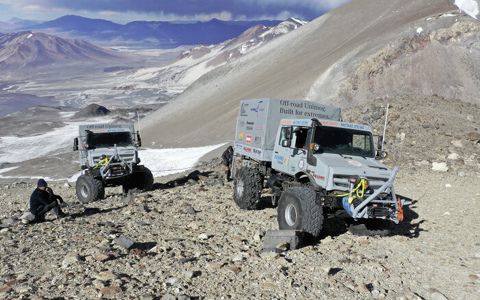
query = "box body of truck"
{"x": 259, "y": 119}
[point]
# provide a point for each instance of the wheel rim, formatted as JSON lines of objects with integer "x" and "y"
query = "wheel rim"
{"x": 84, "y": 191}
{"x": 291, "y": 214}
{"x": 240, "y": 187}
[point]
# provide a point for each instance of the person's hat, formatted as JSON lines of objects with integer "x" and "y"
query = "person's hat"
{"x": 41, "y": 182}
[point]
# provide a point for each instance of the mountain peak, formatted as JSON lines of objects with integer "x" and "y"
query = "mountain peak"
{"x": 25, "y": 49}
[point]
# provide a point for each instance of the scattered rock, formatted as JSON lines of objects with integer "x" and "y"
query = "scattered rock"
{"x": 436, "y": 295}
{"x": 27, "y": 217}
{"x": 474, "y": 136}
{"x": 124, "y": 242}
{"x": 106, "y": 276}
{"x": 442, "y": 167}
{"x": 203, "y": 236}
{"x": 71, "y": 259}
{"x": 453, "y": 156}
{"x": 101, "y": 257}
{"x": 110, "y": 290}
{"x": 457, "y": 144}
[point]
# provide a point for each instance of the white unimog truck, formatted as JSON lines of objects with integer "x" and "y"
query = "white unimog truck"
{"x": 109, "y": 157}
{"x": 313, "y": 162}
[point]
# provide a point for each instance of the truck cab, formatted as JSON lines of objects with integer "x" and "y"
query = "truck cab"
{"x": 327, "y": 152}
{"x": 108, "y": 157}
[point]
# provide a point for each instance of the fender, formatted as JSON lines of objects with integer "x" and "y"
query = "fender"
{"x": 301, "y": 174}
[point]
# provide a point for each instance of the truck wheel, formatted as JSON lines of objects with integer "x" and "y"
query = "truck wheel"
{"x": 89, "y": 189}
{"x": 247, "y": 188}
{"x": 299, "y": 210}
{"x": 143, "y": 179}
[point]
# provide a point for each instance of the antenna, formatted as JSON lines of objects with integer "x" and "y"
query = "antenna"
{"x": 385, "y": 126}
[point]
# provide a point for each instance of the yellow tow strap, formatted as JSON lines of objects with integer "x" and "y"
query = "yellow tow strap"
{"x": 363, "y": 184}
{"x": 102, "y": 163}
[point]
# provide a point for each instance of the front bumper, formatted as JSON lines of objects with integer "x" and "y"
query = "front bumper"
{"x": 389, "y": 208}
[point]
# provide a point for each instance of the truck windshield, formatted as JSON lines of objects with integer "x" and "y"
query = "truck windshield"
{"x": 109, "y": 139}
{"x": 344, "y": 141}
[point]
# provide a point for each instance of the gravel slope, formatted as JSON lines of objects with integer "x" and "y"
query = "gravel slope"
{"x": 192, "y": 242}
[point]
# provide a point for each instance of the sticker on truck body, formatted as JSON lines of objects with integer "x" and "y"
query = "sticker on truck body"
{"x": 301, "y": 164}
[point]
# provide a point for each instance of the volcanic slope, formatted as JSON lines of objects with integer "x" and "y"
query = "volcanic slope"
{"x": 27, "y": 49}
{"x": 326, "y": 61}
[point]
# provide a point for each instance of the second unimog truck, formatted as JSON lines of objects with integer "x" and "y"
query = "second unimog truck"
{"x": 313, "y": 163}
{"x": 109, "y": 157}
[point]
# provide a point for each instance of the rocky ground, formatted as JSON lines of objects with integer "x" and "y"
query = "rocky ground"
{"x": 186, "y": 239}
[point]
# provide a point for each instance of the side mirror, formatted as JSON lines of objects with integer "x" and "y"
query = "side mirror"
{"x": 381, "y": 154}
{"x": 75, "y": 144}
{"x": 380, "y": 142}
{"x": 288, "y": 133}
{"x": 139, "y": 140}
{"x": 286, "y": 143}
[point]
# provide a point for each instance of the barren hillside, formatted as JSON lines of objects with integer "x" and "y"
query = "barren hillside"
{"x": 342, "y": 58}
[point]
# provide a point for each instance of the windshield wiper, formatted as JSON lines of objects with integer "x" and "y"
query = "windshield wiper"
{"x": 359, "y": 153}
{"x": 335, "y": 151}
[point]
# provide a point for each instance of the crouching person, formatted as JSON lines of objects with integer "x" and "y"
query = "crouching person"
{"x": 44, "y": 200}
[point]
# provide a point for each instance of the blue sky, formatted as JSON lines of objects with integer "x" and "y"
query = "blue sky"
{"x": 123, "y": 11}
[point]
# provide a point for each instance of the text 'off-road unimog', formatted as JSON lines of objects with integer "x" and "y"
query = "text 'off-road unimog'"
{"x": 109, "y": 157}
{"x": 313, "y": 162}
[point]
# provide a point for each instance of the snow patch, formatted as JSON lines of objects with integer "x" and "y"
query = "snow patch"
{"x": 470, "y": 7}
{"x": 6, "y": 170}
{"x": 173, "y": 160}
{"x": 15, "y": 149}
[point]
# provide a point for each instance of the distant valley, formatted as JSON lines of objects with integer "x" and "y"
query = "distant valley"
{"x": 42, "y": 69}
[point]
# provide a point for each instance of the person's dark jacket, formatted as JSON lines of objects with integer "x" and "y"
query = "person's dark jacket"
{"x": 227, "y": 157}
{"x": 39, "y": 199}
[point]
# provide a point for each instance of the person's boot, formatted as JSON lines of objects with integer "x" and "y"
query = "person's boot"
{"x": 59, "y": 213}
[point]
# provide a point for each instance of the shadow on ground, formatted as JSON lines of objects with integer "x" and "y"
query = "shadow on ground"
{"x": 192, "y": 177}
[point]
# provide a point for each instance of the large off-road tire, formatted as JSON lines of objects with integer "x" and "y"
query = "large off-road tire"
{"x": 143, "y": 178}
{"x": 299, "y": 210}
{"x": 248, "y": 185}
{"x": 89, "y": 189}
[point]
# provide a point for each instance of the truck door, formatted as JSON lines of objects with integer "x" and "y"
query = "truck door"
{"x": 281, "y": 151}
{"x": 298, "y": 153}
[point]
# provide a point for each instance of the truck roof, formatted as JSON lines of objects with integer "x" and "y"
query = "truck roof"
{"x": 107, "y": 127}
{"x": 308, "y": 123}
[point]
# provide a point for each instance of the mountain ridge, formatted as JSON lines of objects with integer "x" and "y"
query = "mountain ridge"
{"x": 147, "y": 33}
